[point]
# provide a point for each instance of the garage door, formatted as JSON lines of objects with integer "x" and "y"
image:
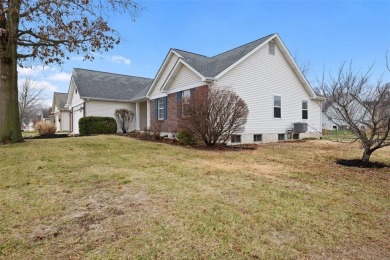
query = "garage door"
{"x": 77, "y": 114}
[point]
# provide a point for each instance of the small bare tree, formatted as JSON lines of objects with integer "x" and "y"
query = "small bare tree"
{"x": 124, "y": 117}
{"x": 30, "y": 98}
{"x": 213, "y": 114}
{"x": 361, "y": 105}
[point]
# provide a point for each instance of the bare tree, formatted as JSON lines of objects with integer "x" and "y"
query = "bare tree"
{"x": 30, "y": 98}
{"x": 360, "y": 104}
{"x": 48, "y": 31}
{"x": 124, "y": 117}
{"x": 213, "y": 114}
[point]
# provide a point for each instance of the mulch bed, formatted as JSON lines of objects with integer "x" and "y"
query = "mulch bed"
{"x": 143, "y": 137}
{"x": 360, "y": 164}
{"x": 47, "y": 136}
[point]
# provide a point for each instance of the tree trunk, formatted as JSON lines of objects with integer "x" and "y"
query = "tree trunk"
{"x": 9, "y": 110}
{"x": 10, "y": 131}
{"x": 366, "y": 155}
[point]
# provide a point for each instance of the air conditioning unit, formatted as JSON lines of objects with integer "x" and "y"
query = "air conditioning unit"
{"x": 300, "y": 127}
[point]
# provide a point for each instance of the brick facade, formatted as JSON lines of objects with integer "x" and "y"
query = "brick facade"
{"x": 171, "y": 124}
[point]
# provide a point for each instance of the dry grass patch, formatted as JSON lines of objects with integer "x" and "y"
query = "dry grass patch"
{"x": 115, "y": 197}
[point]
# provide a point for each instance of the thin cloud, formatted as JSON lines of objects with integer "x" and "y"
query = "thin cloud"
{"x": 120, "y": 59}
{"x": 61, "y": 76}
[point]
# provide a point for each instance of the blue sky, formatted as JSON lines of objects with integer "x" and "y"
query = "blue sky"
{"x": 324, "y": 33}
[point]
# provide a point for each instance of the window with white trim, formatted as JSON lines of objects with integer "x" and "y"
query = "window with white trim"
{"x": 185, "y": 102}
{"x": 277, "y": 106}
{"x": 305, "y": 110}
{"x": 235, "y": 139}
{"x": 257, "y": 138}
{"x": 161, "y": 107}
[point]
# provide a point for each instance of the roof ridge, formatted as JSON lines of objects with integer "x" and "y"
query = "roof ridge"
{"x": 210, "y": 57}
{"x": 243, "y": 45}
{"x": 119, "y": 74}
{"x": 191, "y": 52}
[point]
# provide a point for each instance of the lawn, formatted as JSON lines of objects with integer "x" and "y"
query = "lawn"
{"x": 113, "y": 197}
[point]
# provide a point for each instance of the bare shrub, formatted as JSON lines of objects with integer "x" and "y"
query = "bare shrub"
{"x": 156, "y": 130}
{"x": 213, "y": 114}
{"x": 45, "y": 128}
{"x": 124, "y": 117}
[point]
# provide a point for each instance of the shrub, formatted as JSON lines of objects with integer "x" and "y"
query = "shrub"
{"x": 124, "y": 117}
{"x": 45, "y": 128}
{"x": 186, "y": 138}
{"x": 213, "y": 114}
{"x": 91, "y": 125}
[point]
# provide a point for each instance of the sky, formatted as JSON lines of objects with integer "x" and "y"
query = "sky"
{"x": 323, "y": 34}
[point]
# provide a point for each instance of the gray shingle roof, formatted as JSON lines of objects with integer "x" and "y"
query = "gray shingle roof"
{"x": 60, "y": 99}
{"x": 212, "y": 66}
{"x": 104, "y": 85}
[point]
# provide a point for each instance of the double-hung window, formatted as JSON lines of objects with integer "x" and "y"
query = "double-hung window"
{"x": 277, "y": 106}
{"x": 305, "y": 110}
{"x": 161, "y": 108}
{"x": 185, "y": 102}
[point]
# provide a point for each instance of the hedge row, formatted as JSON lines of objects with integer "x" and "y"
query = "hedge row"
{"x": 92, "y": 125}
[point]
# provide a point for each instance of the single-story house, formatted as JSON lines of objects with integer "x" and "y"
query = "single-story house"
{"x": 281, "y": 102}
{"x": 60, "y": 114}
{"x": 95, "y": 93}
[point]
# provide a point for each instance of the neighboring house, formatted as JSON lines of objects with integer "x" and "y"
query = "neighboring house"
{"x": 94, "y": 93}
{"x": 60, "y": 114}
{"x": 262, "y": 72}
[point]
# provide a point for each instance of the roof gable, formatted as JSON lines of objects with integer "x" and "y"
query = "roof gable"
{"x": 109, "y": 86}
{"x": 212, "y": 66}
{"x": 59, "y": 100}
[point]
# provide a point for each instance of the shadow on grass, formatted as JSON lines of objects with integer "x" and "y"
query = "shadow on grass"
{"x": 361, "y": 164}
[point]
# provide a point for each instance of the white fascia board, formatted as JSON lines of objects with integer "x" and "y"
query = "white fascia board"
{"x": 295, "y": 67}
{"x": 157, "y": 96}
{"x": 174, "y": 73}
{"x": 72, "y": 85}
{"x": 140, "y": 99}
{"x": 191, "y": 86}
{"x": 77, "y": 105}
{"x": 161, "y": 69}
{"x": 103, "y": 99}
{"x": 192, "y": 69}
{"x": 243, "y": 58}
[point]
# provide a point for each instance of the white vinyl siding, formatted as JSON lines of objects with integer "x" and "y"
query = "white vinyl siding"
{"x": 184, "y": 77}
{"x": 257, "y": 79}
{"x": 163, "y": 76}
{"x": 107, "y": 108}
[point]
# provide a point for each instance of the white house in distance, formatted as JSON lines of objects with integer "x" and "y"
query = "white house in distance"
{"x": 60, "y": 114}
{"x": 281, "y": 102}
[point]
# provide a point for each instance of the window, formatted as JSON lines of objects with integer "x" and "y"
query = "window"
{"x": 271, "y": 48}
{"x": 235, "y": 139}
{"x": 161, "y": 107}
{"x": 186, "y": 95}
{"x": 305, "y": 111}
{"x": 277, "y": 107}
{"x": 257, "y": 138}
{"x": 281, "y": 137}
{"x": 296, "y": 136}
{"x": 75, "y": 90}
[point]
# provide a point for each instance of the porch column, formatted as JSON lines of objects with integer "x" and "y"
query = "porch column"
{"x": 137, "y": 116}
{"x": 148, "y": 114}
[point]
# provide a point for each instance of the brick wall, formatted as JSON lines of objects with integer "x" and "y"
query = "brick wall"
{"x": 171, "y": 124}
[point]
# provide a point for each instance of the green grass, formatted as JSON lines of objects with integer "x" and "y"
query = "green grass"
{"x": 110, "y": 197}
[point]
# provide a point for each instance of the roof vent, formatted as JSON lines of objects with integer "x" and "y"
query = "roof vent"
{"x": 300, "y": 127}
